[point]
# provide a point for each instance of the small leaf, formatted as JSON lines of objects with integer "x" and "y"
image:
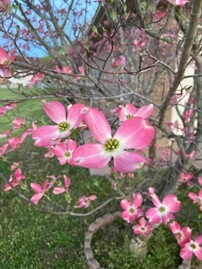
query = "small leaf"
{"x": 94, "y": 29}
{"x": 113, "y": 15}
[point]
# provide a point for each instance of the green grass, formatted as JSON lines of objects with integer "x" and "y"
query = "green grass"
{"x": 30, "y": 110}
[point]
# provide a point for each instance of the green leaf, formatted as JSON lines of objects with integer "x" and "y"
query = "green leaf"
{"x": 113, "y": 15}
{"x": 94, "y": 29}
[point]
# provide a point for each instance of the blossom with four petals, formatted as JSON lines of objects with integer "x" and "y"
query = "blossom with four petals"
{"x": 192, "y": 247}
{"x": 135, "y": 133}
{"x": 66, "y": 120}
{"x": 132, "y": 209}
{"x": 163, "y": 211}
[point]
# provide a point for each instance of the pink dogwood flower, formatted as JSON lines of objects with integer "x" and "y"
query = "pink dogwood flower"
{"x": 64, "y": 151}
{"x": 17, "y": 123}
{"x": 135, "y": 133}
{"x": 39, "y": 190}
{"x": 65, "y": 188}
{"x": 66, "y": 120}
{"x": 64, "y": 70}
{"x": 132, "y": 209}
{"x": 163, "y": 211}
{"x": 14, "y": 180}
{"x": 85, "y": 201}
{"x": 14, "y": 165}
{"x": 129, "y": 111}
{"x": 143, "y": 228}
{"x": 197, "y": 199}
{"x": 181, "y": 234}
{"x": 6, "y": 58}
{"x": 118, "y": 62}
{"x": 36, "y": 78}
{"x": 186, "y": 177}
{"x": 192, "y": 247}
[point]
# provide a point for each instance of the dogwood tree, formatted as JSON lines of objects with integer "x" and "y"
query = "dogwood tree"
{"x": 139, "y": 60}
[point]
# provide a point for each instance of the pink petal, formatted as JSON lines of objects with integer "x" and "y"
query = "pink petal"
{"x": 127, "y": 217}
{"x": 143, "y": 221}
{"x": 193, "y": 196}
{"x": 55, "y": 110}
{"x": 43, "y": 135}
{"x": 74, "y": 115}
{"x": 166, "y": 218}
{"x": 97, "y": 124}
{"x": 90, "y": 156}
{"x": 128, "y": 161}
{"x": 171, "y": 203}
{"x": 36, "y": 197}
{"x": 199, "y": 239}
{"x": 125, "y": 204}
{"x": 153, "y": 216}
{"x": 185, "y": 253}
{"x": 198, "y": 253}
{"x": 129, "y": 109}
{"x": 135, "y": 133}
{"x": 36, "y": 187}
{"x": 145, "y": 111}
{"x": 67, "y": 181}
{"x": 175, "y": 227}
{"x": 137, "y": 199}
{"x": 155, "y": 200}
{"x": 58, "y": 190}
{"x": 59, "y": 150}
{"x": 71, "y": 144}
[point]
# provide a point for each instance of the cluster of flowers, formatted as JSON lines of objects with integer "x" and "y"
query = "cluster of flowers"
{"x": 134, "y": 134}
{"x": 40, "y": 190}
{"x": 161, "y": 213}
{"x": 187, "y": 177}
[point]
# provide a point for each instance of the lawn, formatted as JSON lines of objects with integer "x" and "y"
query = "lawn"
{"x": 34, "y": 239}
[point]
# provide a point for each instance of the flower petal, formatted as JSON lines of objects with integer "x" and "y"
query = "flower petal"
{"x": 125, "y": 204}
{"x": 198, "y": 253}
{"x": 145, "y": 111}
{"x": 137, "y": 199}
{"x": 43, "y": 135}
{"x": 185, "y": 253}
{"x": 55, "y": 110}
{"x": 97, "y": 124}
{"x": 128, "y": 161}
{"x": 153, "y": 216}
{"x": 58, "y": 190}
{"x": 36, "y": 197}
{"x": 90, "y": 156}
{"x": 75, "y": 116}
{"x": 36, "y": 187}
{"x": 171, "y": 203}
{"x": 135, "y": 133}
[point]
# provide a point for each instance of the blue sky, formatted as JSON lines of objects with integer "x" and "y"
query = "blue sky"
{"x": 36, "y": 51}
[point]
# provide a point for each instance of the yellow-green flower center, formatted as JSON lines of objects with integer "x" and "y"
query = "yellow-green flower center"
{"x": 193, "y": 246}
{"x": 162, "y": 209}
{"x": 131, "y": 210}
{"x": 111, "y": 145}
{"x": 68, "y": 154}
{"x": 63, "y": 126}
{"x": 129, "y": 116}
